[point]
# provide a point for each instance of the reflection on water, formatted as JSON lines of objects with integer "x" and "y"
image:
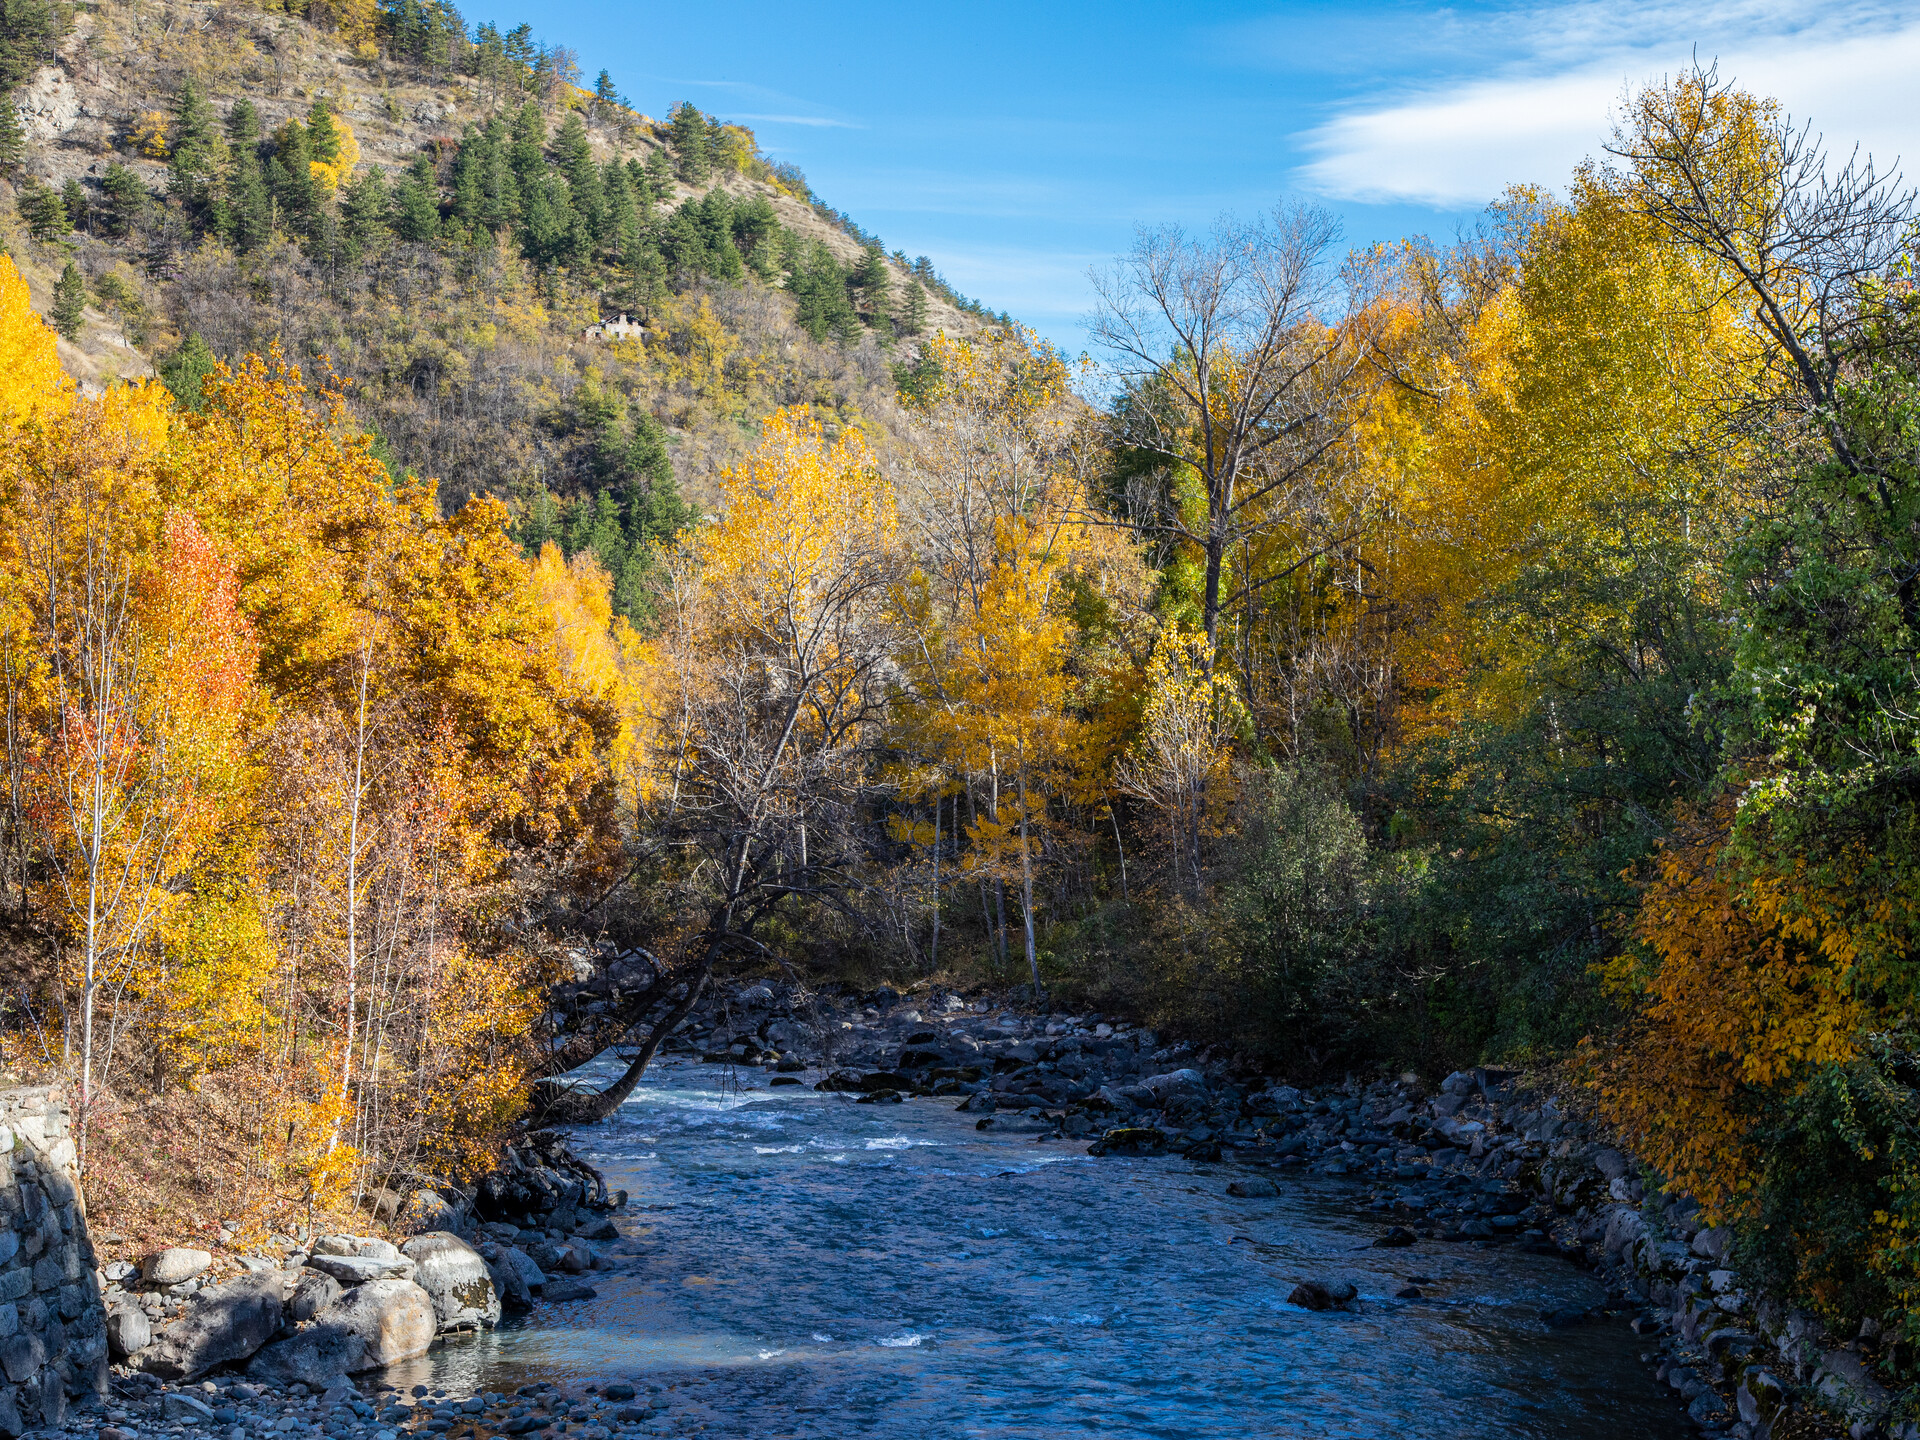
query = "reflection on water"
{"x": 813, "y": 1267}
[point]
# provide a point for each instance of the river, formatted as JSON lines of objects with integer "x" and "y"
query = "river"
{"x": 812, "y": 1267}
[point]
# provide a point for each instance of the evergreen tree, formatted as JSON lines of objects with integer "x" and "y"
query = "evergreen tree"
{"x": 74, "y": 198}
{"x": 43, "y": 212}
{"x": 621, "y": 234}
{"x": 875, "y": 283}
{"x": 756, "y": 233}
{"x": 819, "y": 289}
{"x": 363, "y": 214}
{"x": 604, "y": 95}
{"x": 683, "y": 241}
{"x": 290, "y": 178}
{"x": 183, "y": 371}
{"x": 416, "y": 204}
{"x": 527, "y": 151}
{"x": 573, "y": 155}
{"x": 659, "y": 174}
{"x": 193, "y": 145}
{"x": 29, "y": 32}
{"x": 323, "y": 136}
{"x": 546, "y": 220}
{"x": 640, "y": 183}
{"x": 687, "y": 128}
{"x": 126, "y": 198}
{"x": 914, "y": 320}
{"x": 13, "y": 136}
{"x": 247, "y": 207}
{"x": 69, "y": 302}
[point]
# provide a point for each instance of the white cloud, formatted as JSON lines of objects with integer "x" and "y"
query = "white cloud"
{"x": 1851, "y": 72}
{"x": 821, "y": 121}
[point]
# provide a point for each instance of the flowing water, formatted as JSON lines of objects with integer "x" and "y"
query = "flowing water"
{"x": 813, "y": 1267}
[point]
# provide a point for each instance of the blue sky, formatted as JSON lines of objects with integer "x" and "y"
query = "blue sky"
{"x": 1017, "y": 144}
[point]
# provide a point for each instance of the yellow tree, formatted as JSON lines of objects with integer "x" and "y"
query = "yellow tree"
{"x": 768, "y": 691}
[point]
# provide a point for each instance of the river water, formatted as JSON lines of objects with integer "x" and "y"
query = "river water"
{"x": 812, "y": 1267}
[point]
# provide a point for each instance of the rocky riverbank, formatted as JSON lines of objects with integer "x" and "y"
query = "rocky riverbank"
{"x": 1488, "y": 1158}
{"x": 1485, "y": 1159}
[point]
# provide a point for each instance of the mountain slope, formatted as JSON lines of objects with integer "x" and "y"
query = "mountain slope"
{"x": 472, "y": 218}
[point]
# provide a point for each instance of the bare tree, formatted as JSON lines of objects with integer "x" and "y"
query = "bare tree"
{"x": 1809, "y": 244}
{"x": 772, "y": 681}
{"x": 1235, "y": 365}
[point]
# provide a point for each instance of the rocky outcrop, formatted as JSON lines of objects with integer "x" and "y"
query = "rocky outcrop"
{"x": 229, "y": 1323}
{"x": 53, "y": 1328}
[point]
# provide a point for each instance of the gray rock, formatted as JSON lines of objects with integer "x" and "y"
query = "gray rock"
{"x": 353, "y": 1270}
{"x": 394, "y": 1318}
{"x": 429, "y": 1210}
{"x": 1611, "y": 1164}
{"x": 171, "y": 1267}
{"x": 1254, "y": 1187}
{"x": 316, "y": 1357}
{"x": 1713, "y": 1244}
{"x": 1175, "y": 1082}
{"x": 531, "y": 1275}
{"x": 507, "y": 1283}
{"x": 456, "y": 1279}
{"x": 1323, "y": 1295}
{"x": 185, "y": 1409}
{"x": 559, "y": 1291}
{"x": 128, "y": 1331}
{"x": 225, "y": 1324}
{"x": 313, "y": 1291}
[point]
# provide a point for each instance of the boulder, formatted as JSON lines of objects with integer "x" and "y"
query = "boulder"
{"x": 171, "y": 1267}
{"x": 507, "y": 1282}
{"x": 1175, "y": 1082}
{"x": 1323, "y": 1295}
{"x": 225, "y": 1324}
{"x": 841, "y": 1080}
{"x": 392, "y": 1319}
{"x": 313, "y": 1291}
{"x": 186, "y": 1408}
{"x": 429, "y": 1210}
{"x": 456, "y": 1279}
{"x": 1129, "y": 1140}
{"x": 353, "y": 1270}
{"x": 1254, "y": 1187}
{"x": 315, "y": 1357}
{"x": 531, "y": 1275}
{"x": 128, "y": 1331}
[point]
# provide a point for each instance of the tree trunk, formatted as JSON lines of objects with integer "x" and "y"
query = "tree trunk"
{"x": 555, "y": 1104}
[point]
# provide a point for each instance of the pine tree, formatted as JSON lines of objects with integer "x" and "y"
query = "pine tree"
{"x": 363, "y": 214}
{"x": 416, "y": 204}
{"x": 69, "y": 302}
{"x": 915, "y": 318}
{"x": 43, "y": 212}
{"x": 127, "y": 198}
{"x": 323, "y": 136}
{"x": 621, "y": 235}
{"x": 249, "y": 208}
{"x": 688, "y": 131}
{"x": 875, "y": 283}
{"x": 13, "y": 137}
{"x": 527, "y": 152}
{"x": 192, "y": 144}
{"x": 290, "y": 178}
{"x": 659, "y": 174}
{"x": 604, "y": 95}
{"x": 574, "y": 157}
{"x": 74, "y": 199}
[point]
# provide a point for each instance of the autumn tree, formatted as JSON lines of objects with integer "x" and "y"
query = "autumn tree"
{"x": 766, "y": 688}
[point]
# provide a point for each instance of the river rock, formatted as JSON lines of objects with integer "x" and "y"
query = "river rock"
{"x": 1323, "y": 1294}
{"x": 1129, "y": 1140}
{"x": 1175, "y": 1082}
{"x": 225, "y": 1324}
{"x": 316, "y": 1357}
{"x": 185, "y": 1408}
{"x": 560, "y": 1291}
{"x": 313, "y": 1291}
{"x": 171, "y": 1267}
{"x": 507, "y": 1282}
{"x": 395, "y": 1319}
{"x": 531, "y": 1275}
{"x": 128, "y": 1331}
{"x": 456, "y": 1279}
{"x": 355, "y": 1270}
{"x": 1254, "y": 1187}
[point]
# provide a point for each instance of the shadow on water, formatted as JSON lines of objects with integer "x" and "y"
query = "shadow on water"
{"x": 810, "y": 1267}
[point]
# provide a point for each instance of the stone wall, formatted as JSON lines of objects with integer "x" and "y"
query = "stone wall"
{"x": 53, "y": 1341}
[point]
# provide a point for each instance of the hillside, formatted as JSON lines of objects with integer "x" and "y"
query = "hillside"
{"x": 473, "y": 216}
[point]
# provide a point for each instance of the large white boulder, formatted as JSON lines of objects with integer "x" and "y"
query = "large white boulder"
{"x": 456, "y": 1278}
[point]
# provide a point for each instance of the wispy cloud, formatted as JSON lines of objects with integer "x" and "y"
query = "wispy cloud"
{"x": 821, "y": 121}
{"x": 1458, "y": 140}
